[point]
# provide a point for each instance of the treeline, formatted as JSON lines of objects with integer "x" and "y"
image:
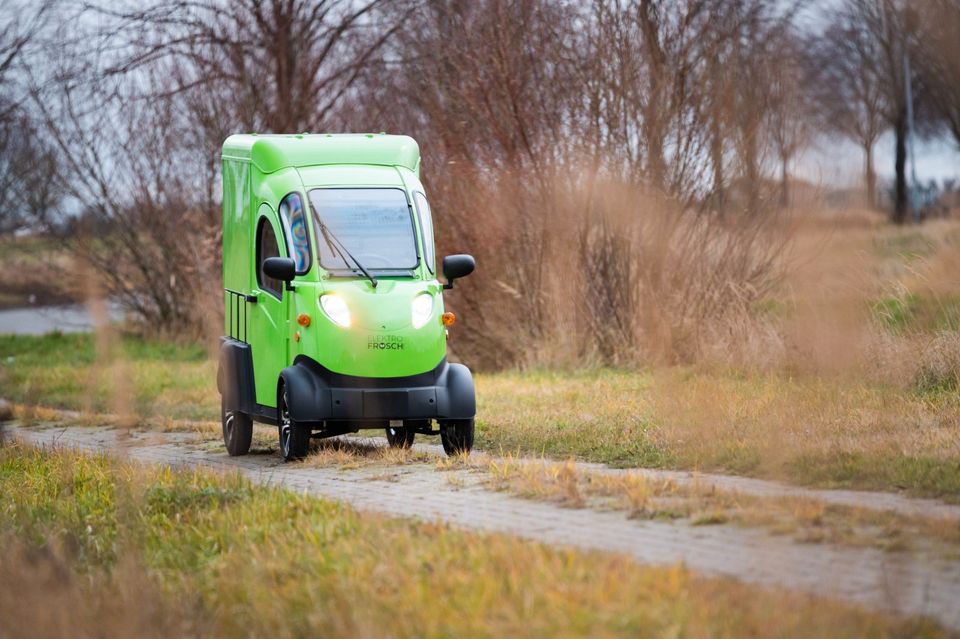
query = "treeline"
{"x": 615, "y": 164}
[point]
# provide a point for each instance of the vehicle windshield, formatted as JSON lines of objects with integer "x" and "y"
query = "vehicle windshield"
{"x": 374, "y": 225}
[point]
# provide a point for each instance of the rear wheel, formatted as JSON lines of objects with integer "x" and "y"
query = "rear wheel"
{"x": 237, "y": 430}
{"x": 400, "y": 437}
{"x": 294, "y": 438}
{"x": 456, "y": 435}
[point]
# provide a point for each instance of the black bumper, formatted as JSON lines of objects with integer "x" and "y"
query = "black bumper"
{"x": 316, "y": 394}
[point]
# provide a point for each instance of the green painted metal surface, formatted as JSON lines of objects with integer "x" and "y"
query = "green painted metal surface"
{"x": 270, "y": 153}
{"x": 381, "y": 341}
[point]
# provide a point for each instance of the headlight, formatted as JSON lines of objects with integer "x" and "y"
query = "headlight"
{"x": 422, "y": 309}
{"x": 336, "y": 309}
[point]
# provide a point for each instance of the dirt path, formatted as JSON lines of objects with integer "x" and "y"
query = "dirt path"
{"x": 894, "y": 582}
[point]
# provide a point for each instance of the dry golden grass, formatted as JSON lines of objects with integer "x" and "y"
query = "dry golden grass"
{"x": 868, "y": 301}
{"x": 43, "y": 594}
{"x": 805, "y": 519}
{"x": 349, "y": 452}
{"x": 30, "y": 414}
{"x": 808, "y": 430}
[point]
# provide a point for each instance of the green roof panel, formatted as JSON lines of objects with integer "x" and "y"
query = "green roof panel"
{"x": 270, "y": 153}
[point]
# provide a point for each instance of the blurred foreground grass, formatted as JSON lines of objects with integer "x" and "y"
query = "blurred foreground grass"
{"x": 91, "y": 546}
{"x": 803, "y": 429}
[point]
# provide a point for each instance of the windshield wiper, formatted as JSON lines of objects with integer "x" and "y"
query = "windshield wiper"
{"x": 342, "y": 251}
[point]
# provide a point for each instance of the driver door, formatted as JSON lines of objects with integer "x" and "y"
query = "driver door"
{"x": 269, "y": 334}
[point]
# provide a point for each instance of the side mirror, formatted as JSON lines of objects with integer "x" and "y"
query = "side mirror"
{"x": 280, "y": 268}
{"x": 455, "y": 266}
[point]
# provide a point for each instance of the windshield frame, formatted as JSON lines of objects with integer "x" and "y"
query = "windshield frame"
{"x": 346, "y": 267}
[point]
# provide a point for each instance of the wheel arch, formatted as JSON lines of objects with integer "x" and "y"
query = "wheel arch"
{"x": 305, "y": 397}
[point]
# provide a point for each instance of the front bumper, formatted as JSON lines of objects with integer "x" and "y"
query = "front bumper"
{"x": 316, "y": 394}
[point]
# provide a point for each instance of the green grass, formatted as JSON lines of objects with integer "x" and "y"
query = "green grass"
{"x": 821, "y": 432}
{"x": 93, "y": 546}
{"x": 924, "y": 475}
{"x": 62, "y": 371}
{"x": 571, "y": 414}
{"x": 80, "y": 348}
{"x": 914, "y": 313}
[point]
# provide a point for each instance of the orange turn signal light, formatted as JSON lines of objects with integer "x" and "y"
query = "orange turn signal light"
{"x": 303, "y": 320}
{"x": 448, "y": 319}
{"x": 296, "y": 336}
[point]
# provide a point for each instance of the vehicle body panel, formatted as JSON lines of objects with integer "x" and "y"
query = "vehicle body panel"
{"x": 381, "y": 342}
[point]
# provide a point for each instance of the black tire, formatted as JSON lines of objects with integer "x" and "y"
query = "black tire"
{"x": 456, "y": 435}
{"x": 294, "y": 438}
{"x": 237, "y": 430}
{"x": 400, "y": 437}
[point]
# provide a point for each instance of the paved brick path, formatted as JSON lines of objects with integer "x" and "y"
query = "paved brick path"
{"x": 894, "y": 582}
{"x": 871, "y": 500}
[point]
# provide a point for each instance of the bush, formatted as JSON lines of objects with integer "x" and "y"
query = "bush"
{"x": 603, "y": 273}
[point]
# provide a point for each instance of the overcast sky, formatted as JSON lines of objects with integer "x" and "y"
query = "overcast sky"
{"x": 839, "y": 162}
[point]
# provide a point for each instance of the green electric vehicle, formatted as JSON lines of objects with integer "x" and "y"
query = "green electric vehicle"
{"x": 334, "y": 315}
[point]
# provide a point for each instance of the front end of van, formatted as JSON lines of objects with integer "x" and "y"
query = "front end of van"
{"x": 334, "y": 309}
{"x": 370, "y": 345}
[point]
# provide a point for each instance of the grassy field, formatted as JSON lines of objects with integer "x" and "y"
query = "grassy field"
{"x": 860, "y": 388}
{"x": 827, "y": 432}
{"x": 90, "y": 546}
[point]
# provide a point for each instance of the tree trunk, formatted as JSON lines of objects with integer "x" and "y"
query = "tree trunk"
{"x": 870, "y": 177}
{"x": 656, "y": 165}
{"x": 751, "y": 169}
{"x": 716, "y": 160}
{"x": 784, "y": 184}
{"x": 900, "y": 204}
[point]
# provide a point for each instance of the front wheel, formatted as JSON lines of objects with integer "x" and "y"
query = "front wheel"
{"x": 237, "y": 430}
{"x": 294, "y": 438}
{"x": 456, "y": 435}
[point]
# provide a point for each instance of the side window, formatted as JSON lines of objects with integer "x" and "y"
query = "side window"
{"x": 295, "y": 225}
{"x": 267, "y": 247}
{"x": 426, "y": 230}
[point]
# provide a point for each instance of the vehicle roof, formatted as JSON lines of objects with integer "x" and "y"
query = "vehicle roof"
{"x": 270, "y": 153}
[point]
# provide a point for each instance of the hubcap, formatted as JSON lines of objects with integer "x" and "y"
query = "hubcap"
{"x": 228, "y": 426}
{"x": 284, "y": 426}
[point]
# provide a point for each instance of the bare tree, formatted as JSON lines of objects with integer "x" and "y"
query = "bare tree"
{"x": 138, "y": 105}
{"x": 29, "y": 187}
{"x": 790, "y": 109}
{"x": 878, "y": 40}
{"x": 643, "y": 72}
{"x": 530, "y": 114}
{"x": 20, "y": 24}
{"x": 675, "y": 95}
{"x": 27, "y": 175}
{"x": 850, "y": 95}
{"x": 939, "y": 61}
{"x": 279, "y": 66}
